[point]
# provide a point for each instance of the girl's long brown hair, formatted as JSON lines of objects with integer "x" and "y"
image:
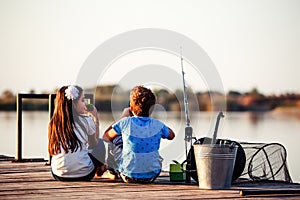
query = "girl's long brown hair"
{"x": 60, "y": 129}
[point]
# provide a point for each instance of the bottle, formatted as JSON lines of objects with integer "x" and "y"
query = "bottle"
{"x": 90, "y": 107}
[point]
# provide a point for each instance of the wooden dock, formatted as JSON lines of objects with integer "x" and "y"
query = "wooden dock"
{"x": 33, "y": 180}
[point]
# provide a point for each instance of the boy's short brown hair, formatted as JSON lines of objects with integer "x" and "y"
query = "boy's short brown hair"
{"x": 141, "y": 101}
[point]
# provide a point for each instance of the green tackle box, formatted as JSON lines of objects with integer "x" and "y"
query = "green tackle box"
{"x": 176, "y": 173}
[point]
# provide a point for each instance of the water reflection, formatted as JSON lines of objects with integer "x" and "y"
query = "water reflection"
{"x": 281, "y": 127}
{"x": 255, "y": 117}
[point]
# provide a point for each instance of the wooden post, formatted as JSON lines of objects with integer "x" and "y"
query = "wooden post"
{"x": 19, "y": 128}
{"x": 51, "y": 98}
{"x": 19, "y": 102}
{"x": 51, "y": 104}
{"x": 51, "y": 110}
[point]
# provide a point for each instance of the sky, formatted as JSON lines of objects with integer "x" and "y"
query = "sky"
{"x": 252, "y": 43}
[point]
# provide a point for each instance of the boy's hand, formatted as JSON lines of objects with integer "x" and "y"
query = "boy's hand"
{"x": 126, "y": 112}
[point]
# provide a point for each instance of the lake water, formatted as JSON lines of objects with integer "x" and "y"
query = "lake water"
{"x": 280, "y": 127}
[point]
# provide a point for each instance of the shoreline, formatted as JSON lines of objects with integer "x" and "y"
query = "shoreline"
{"x": 294, "y": 111}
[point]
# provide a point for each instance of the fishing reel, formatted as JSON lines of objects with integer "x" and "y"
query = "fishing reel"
{"x": 189, "y": 134}
{"x": 188, "y": 144}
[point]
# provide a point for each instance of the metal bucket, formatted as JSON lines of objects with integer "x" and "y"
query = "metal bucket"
{"x": 215, "y": 165}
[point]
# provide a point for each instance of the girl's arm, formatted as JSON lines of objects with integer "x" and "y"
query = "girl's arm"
{"x": 93, "y": 139}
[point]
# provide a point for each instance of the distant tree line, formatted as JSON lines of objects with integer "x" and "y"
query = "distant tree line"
{"x": 113, "y": 97}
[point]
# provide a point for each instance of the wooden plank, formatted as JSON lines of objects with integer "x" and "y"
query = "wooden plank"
{"x": 34, "y": 181}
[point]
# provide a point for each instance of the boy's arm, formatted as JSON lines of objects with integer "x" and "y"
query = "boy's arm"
{"x": 171, "y": 134}
{"x": 109, "y": 134}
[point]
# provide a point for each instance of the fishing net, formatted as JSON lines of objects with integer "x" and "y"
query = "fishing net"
{"x": 254, "y": 161}
{"x": 265, "y": 162}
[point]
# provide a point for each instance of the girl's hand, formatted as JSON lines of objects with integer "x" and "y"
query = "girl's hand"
{"x": 92, "y": 110}
{"x": 90, "y": 107}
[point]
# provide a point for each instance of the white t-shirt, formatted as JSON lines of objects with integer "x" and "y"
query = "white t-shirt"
{"x": 78, "y": 163}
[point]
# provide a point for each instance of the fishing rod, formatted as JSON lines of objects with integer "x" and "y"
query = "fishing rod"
{"x": 188, "y": 129}
{"x": 186, "y": 104}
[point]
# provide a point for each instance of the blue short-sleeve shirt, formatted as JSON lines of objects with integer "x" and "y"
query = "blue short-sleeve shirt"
{"x": 141, "y": 141}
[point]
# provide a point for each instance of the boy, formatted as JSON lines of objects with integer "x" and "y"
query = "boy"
{"x": 136, "y": 139}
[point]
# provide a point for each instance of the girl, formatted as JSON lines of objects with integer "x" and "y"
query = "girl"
{"x": 72, "y": 134}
